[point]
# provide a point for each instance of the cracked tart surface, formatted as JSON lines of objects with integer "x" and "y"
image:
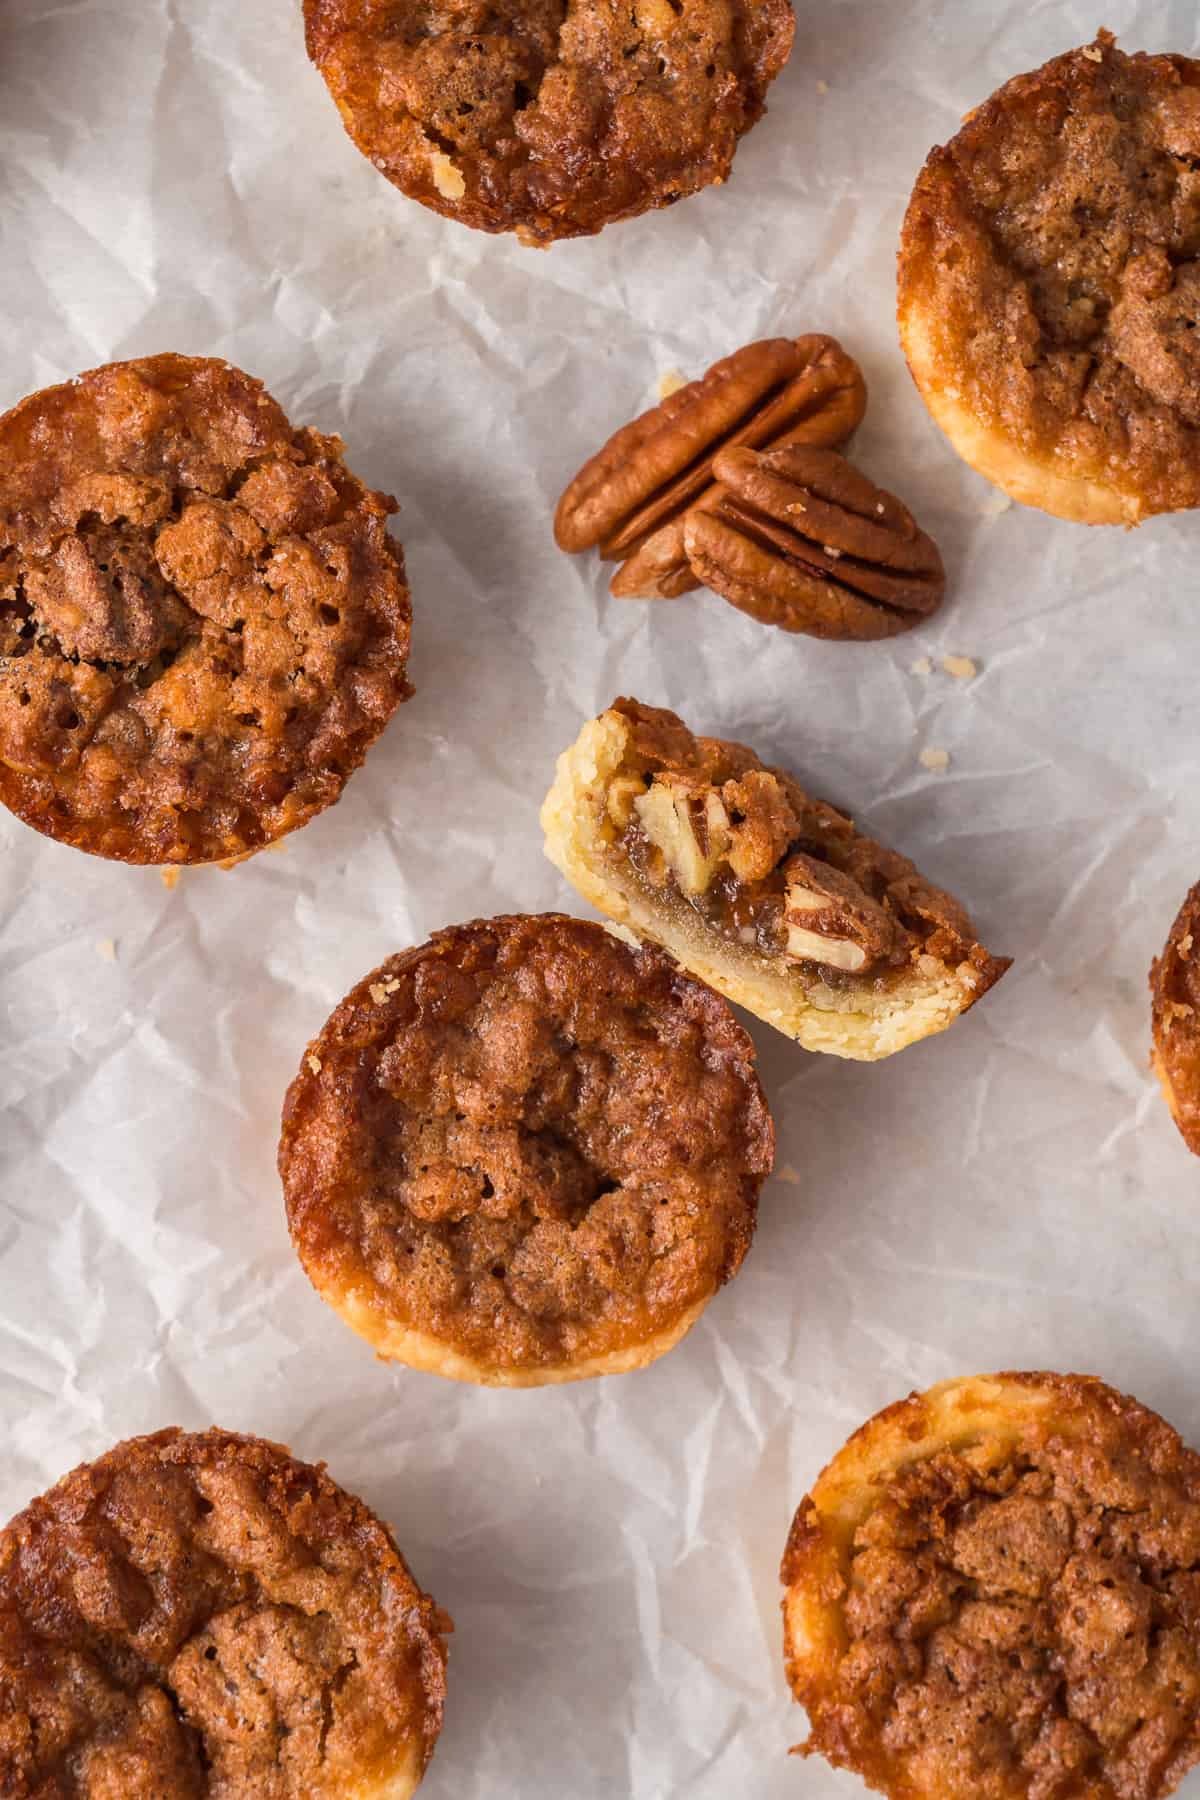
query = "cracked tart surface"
{"x": 525, "y": 1153}
{"x": 1049, "y": 291}
{"x": 204, "y": 624}
{"x": 993, "y": 1593}
{"x": 199, "y": 1616}
{"x": 551, "y": 118}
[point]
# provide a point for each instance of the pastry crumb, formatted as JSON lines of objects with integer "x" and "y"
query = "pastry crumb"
{"x": 963, "y": 668}
{"x": 670, "y": 382}
{"x": 996, "y": 505}
{"x": 314, "y": 1063}
{"x": 1094, "y": 53}
{"x": 447, "y": 178}
{"x": 789, "y": 1173}
{"x": 106, "y": 949}
{"x": 936, "y": 761}
{"x": 170, "y": 876}
{"x": 922, "y": 666}
{"x": 381, "y": 991}
{"x": 822, "y": 87}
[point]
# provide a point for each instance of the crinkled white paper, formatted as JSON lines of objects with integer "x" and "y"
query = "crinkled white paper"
{"x": 174, "y": 176}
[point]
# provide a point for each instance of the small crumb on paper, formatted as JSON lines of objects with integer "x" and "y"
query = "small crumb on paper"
{"x": 822, "y": 87}
{"x": 963, "y": 668}
{"x": 789, "y": 1174}
{"x": 314, "y": 1063}
{"x": 106, "y": 949}
{"x": 996, "y": 505}
{"x": 447, "y": 179}
{"x": 381, "y": 991}
{"x": 276, "y": 846}
{"x": 936, "y": 761}
{"x": 170, "y": 876}
{"x": 670, "y": 382}
{"x": 922, "y": 666}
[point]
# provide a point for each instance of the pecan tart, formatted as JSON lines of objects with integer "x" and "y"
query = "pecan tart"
{"x": 1175, "y": 995}
{"x": 204, "y": 624}
{"x": 1050, "y": 286}
{"x": 550, "y": 118}
{"x": 769, "y": 895}
{"x": 198, "y": 1615}
{"x": 525, "y": 1153}
{"x": 993, "y": 1593}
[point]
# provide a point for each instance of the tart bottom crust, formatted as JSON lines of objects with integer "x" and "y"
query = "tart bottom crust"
{"x": 863, "y": 1025}
{"x": 394, "y": 1342}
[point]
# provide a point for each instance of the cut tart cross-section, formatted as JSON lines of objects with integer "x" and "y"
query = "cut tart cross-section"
{"x": 772, "y": 897}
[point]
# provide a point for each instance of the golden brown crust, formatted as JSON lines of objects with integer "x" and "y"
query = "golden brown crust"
{"x": 523, "y": 1152}
{"x": 201, "y": 1614}
{"x": 770, "y": 896}
{"x": 1049, "y": 285}
{"x": 551, "y": 118}
{"x": 993, "y": 1593}
{"x": 1175, "y": 995}
{"x": 203, "y": 622}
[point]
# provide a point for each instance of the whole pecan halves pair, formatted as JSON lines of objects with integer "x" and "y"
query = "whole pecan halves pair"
{"x": 630, "y": 500}
{"x": 700, "y": 489}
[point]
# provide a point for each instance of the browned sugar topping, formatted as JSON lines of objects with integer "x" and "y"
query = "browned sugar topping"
{"x": 770, "y": 840}
{"x": 1060, "y": 231}
{"x": 203, "y": 621}
{"x": 1028, "y": 1623}
{"x": 197, "y": 1616}
{"x": 553, "y": 117}
{"x": 528, "y": 1141}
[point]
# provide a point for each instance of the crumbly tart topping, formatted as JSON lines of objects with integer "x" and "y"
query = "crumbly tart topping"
{"x": 199, "y": 1616}
{"x": 1011, "y": 1611}
{"x": 1052, "y": 250}
{"x": 1175, "y": 995}
{"x": 767, "y": 867}
{"x": 526, "y": 1141}
{"x": 203, "y": 621}
{"x": 549, "y": 117}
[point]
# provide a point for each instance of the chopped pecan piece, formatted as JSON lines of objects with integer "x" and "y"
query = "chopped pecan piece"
{"x": 631, "y": 499}
{"x": 1175, "y": 990}
{"x": 801, "y": 539}
{"x": 831, "y": 920}
{"x": 687, "y": 823}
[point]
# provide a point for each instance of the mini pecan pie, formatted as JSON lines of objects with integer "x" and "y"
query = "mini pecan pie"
{"x": 525, "y": 1153}
{"x": 550, "y": 118}
{"x": 1175, "y": 991}
{"x": 1050, "y": 286}
{"x": 993, "y": 1593}
{"x": 203, "y": 622}
{"x": 202, "y": 1615}
{"x": 769, "y": 895}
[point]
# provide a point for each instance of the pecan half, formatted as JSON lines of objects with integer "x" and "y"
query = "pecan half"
{"x": 631, "y": 499}
{"x": 801, "y": 539}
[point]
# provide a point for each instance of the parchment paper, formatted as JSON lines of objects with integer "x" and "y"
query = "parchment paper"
{"x": 1009, "y": 1195}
